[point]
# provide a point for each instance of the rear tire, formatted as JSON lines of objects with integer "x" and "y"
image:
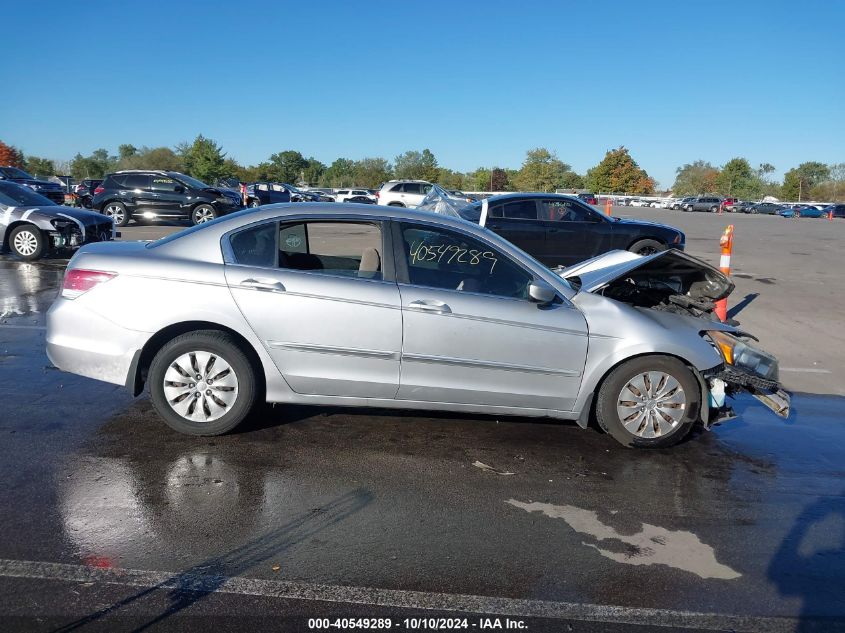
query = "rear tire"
{"x": 254, "y": 203}
{"x": 647, "y": 247}
{"x": 217, "y": 407}
{"x": 662, "y": 415}
{"x": 117, "y": 212}
{"x": 395, "y": 204}
{"x": 203, "y": 213}
{"x": 27, "y": 242}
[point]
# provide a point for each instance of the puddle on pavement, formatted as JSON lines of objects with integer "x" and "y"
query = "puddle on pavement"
{"x": 652, "y": 545}
{"x": 28, "y": 289}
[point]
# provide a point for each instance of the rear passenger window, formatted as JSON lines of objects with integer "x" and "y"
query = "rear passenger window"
{"x": 255, "y": 246}
{"x": 162, "y": 183}
{"x": 520, "y": 210}
{"x": 346, "y": 249}
{"x": 137, "y": 181}
{"x": 412, "y": 187}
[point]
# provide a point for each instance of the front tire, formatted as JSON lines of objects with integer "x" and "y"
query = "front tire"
{"x": 202, "y": 383}
{"x": 27, "y": 242}
{"x": 254, "y": 203}
{"x": 649, "y": 402}
{"x": 647, "y": 247}
{"x": 117, "y": 212}
{"x": 203, "y": 213}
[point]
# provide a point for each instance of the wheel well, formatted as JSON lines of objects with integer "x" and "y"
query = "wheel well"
{"x": 591, "y": 417}
{"x": 103, "y": 206}
{"x": 12, "y": 227}
{"x": 642, "y": 239}
{"x": 162, "y": 337}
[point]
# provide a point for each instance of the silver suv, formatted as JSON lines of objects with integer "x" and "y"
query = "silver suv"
{"x": 403, "y": 193}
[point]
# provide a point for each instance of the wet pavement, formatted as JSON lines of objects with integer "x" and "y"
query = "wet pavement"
{"x": 111, "y": 521}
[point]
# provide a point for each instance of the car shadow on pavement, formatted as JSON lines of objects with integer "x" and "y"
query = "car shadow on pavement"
{"x": 812, "y": 553}
{"x": 192, "y": 585}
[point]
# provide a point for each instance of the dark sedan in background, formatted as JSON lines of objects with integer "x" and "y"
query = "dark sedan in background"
{"x": 560, "y": 230}
{"x": 51, "y": 190}
{"x": 32, "y": 226}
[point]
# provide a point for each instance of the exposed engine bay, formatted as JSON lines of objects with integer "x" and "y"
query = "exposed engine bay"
{"x": 671, "y": 281}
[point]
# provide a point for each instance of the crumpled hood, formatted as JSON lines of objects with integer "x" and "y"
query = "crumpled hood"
{"x": 672, "y": 266}
{"x": 86, "y": 217}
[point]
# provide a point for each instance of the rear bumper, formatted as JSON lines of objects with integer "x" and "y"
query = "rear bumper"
{"x": 81, "y": 342}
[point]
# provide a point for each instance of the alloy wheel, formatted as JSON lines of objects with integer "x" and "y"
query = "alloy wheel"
{"x": 115, "y": 212}
{"x": 200, "y": 386}
{"x": 203, "y": 214}
{"x": 651, "y": 404}
{"x": 25, "y": 243}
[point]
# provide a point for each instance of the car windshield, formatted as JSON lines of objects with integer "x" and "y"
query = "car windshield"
{"x": 14, "y": 172}
{"x": 192, "y": 182}
{"x": 19, "y": 196}
{"x": 291, "y": 188}
{"x": 471, "y": 213}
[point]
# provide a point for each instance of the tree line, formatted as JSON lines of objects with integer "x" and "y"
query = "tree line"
{"x": 205, "y": 159}
{"x": 541, "y": 170}
{"x": 811, "y": 180}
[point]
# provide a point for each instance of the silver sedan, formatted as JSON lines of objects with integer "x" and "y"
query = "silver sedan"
{"x": 356, "y": 305}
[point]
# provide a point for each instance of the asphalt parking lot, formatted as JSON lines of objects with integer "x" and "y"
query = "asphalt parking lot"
{"x": 113, "y": 522}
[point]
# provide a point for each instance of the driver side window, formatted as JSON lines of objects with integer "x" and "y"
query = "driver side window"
{"x": 440, "y": 258}
{"x": 565, "y": 211}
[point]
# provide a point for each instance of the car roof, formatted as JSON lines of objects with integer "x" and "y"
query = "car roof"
{"x": 533, "y": 194}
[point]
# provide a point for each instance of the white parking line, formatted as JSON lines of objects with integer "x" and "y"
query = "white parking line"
{"x": 22, "y": 327}
{"x": 396, "y": 598}
{"x": 806, "y": 370}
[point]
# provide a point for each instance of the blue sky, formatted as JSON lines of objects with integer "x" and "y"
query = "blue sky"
{"x": 478, "y": 83}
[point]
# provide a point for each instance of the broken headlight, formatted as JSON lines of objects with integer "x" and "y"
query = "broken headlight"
{"x": 741, "y": 355}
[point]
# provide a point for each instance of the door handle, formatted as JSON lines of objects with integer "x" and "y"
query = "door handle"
{"x": 259, "y": 284}
{"x": 430, "y": 306}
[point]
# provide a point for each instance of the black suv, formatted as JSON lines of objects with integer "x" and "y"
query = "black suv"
{"x": 562, "y": 230}
{"x": 151, "y": 195}
{"x": 51, "y": 190}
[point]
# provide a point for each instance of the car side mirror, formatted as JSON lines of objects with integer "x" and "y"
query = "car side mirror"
{"x": 540, "y": 292}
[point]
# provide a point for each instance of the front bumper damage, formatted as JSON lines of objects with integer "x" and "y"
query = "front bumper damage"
{"x": 728, "y": 380}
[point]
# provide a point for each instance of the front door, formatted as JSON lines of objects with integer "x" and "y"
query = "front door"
{"x": 574, "y": 232}
{"x": 472, "y": 335}
{"x": 315, "y": 293}
{"x": 169, "y": 194}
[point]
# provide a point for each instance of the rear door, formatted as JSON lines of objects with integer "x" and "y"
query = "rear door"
{"x": 517, "y": 221}
{"x": 323, "y": 301}
{"x": 140, "y": 196}
{"x": 574, "y": 232}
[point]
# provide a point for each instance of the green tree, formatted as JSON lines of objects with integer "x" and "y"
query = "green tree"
{"x": 339, "y": 174}
{"x": 695, "y": 178}
{"x": 204, "y": 159}
{"x": 126, "y": 150}
{"x": 738, "y": 180}
{"x": 542, "y": 170}
{"x": 40, "y": 167}
{"x": 449, "y": 179}
{"x": 96, "y": 165}
{"x": 149, "y": 158}
{"x": 287, "y": 166}
{"x": 798, "y": 181}
{"x": 480, "y": 180}
{"x": 370, "y": 172}
{"x": 313, "y": 171}
{"x": 413, "y": 165}
{"x": 619, "y": 173}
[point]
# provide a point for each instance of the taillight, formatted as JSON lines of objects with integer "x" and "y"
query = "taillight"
{"x": 99, "y": 189}
{"x": 378, "y": 194}
{"x": 78, "y": 281}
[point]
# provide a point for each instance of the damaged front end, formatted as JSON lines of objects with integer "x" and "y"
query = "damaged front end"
{"x": 745, "y": 368}
{"x": 673, "y": 281}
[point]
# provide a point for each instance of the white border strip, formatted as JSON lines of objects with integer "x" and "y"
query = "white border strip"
{"x": 396, "y": 598}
